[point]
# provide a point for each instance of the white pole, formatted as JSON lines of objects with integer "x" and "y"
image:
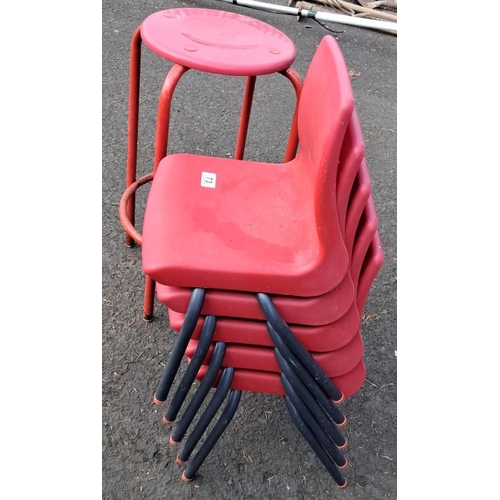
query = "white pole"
{"x": 320, "y": 16}
{"x": 357, "y": 21}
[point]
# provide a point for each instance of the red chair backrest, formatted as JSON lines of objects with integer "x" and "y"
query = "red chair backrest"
{"x": 325, "y": 109}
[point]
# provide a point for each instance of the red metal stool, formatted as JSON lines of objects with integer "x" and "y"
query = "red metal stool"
{"x": 207, "y": 40}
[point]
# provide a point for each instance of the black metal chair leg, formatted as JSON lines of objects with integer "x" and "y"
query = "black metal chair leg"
{"x": 224, "y": 420}
{"x": 320, "y": 433}
{"x": 315, "y": 445}
{"x": 314, "y": 388}
{"x": 189, "y": 376}
{"x": 200, "y": 394}
{"x": 192, "y": 315}
{"x": 297, "y": 348}
{"x": 207, "y": 416}
{"x": 319, "y": 414}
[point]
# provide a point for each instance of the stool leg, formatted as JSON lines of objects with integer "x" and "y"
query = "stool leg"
{"x": 293, "y": 139}
{"x": 161, "y": 145}
{"x": 133, "y": 124}
{"x": 245, "y": 117}
{"x": 164, "y": 106}
{"x": 149, "y": 298}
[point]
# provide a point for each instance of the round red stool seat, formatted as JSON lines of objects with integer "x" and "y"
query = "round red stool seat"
{"x": 218, "y": 42}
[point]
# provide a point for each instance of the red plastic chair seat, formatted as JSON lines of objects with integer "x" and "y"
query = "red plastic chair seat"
{"x": 217, "y": 42}
{"x": 256, "y": 230}
{"x": 334, "y": 363}
{"x": 320, "y": 310}
{"x": 244, "y": 331}
{"x": 270, "y": 383}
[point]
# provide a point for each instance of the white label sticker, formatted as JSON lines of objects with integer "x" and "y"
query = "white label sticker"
{"x": 208, "y": 179}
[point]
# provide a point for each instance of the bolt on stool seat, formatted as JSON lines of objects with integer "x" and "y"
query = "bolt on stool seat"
{"x": 206, "y": 40}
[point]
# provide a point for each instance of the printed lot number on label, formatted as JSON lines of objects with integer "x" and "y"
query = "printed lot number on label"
{"x": 208, "y": 179}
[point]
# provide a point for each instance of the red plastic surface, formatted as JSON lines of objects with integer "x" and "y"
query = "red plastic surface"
{"x": 270, "y": 383}
{"x": 351, "y": 156}
{"x": 334, "y": 363}
{"x": 250, "y": 226}
{"x": 243, "y": 331}
{"x": 218, "y": 42}
{"x": 367, "y": 228}
{"x": 373, "y": 263}
{"x": 361, "y": 191}
{"x": 312, "y": 311}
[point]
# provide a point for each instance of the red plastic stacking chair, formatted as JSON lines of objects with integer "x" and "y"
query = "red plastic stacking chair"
{"x": 269, "y": 382}
{"x": 259, "y": 227}
{"x": 243, "y": 331}
{"x": 334, "y": 363}
{"x": 320, "y": 310}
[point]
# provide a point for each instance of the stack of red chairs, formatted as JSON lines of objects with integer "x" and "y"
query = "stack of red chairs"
{"x": 256, "y": 260}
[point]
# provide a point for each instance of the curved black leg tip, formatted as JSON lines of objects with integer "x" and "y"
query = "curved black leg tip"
{"x": 171, "y": 441}
{"x": 157, "y": 401}
{"x": 342, "y": 486}
{"x": 186, "y": 479}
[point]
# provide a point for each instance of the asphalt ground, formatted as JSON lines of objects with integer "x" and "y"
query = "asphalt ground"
{"x": 261, "y": 455}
